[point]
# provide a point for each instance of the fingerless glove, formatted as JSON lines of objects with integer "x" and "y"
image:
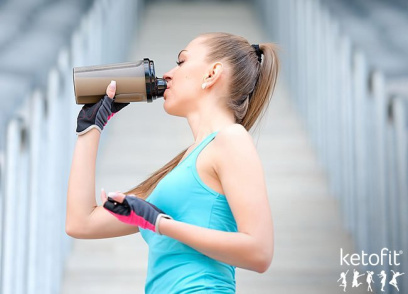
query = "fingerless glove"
{"x": 97, "y": 115}
{"x": 137, "y": 212}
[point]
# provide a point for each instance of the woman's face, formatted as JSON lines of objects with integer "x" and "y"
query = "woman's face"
{"x": 184, "y": 80}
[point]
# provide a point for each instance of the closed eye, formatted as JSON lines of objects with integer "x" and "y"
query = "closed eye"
{"x": 180, "y": 62}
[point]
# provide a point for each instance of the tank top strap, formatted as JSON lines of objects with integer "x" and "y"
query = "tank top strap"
{"x": 193, "y": 155}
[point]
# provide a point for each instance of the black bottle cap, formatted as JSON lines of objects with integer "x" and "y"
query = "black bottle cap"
{"x": 155, "y": 87}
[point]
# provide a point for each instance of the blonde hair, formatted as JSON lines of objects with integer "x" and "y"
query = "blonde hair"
{"x": 251, "y": 86}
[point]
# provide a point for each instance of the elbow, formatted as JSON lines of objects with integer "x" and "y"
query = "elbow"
{"x": 70, "y": 230}
{"x": 70, "y": 227}
{"x": 76, "y": 226}
{"x": 73, "y": 230}
{"x": 263, "y": 265}
{"x": 263, "y": 260}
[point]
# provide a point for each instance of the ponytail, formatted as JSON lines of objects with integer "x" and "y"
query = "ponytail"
{"x": 144, "y": 189}
{"x": 264, "y": 87}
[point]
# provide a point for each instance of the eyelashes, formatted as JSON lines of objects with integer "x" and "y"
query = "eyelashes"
{"x": 180, "y": 62}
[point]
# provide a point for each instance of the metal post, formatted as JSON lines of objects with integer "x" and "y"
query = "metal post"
{"x": 10, "y": 217}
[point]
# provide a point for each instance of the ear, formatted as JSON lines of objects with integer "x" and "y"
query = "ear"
{"x": 213, "y": 74}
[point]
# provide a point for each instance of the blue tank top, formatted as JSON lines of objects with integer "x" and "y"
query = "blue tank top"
{"x": 174, "y": 267}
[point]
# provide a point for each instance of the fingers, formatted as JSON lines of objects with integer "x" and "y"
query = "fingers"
{"x": 117, "y": 196}
{"x": 111, "y": 89}
{"x": 104, "y": 198}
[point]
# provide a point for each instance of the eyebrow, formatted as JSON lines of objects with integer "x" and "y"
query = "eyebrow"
{"x": 180, "y": 53}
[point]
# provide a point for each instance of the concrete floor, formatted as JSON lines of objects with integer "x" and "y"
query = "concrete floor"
{"x": 308, "y": 230}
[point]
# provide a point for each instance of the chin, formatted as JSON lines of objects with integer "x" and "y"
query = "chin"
{"x": 172, "y": 109}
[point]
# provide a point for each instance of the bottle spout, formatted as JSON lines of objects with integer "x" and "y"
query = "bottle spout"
{"x": 161, "y": 86}
{"x": 155, "y": 86}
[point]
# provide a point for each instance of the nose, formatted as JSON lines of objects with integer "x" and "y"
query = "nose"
{"x": 168, "y": 76}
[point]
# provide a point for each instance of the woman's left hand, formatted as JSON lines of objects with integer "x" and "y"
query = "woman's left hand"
{"x": 134, "y": 211}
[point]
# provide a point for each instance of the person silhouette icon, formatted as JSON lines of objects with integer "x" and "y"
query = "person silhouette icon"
{"x": 344, "y": 281}
{"x": 383, "y": 277}
{"x": 394, "y": 279}
{"x": 355, "y": 278}
{"x": 370, "y": 280}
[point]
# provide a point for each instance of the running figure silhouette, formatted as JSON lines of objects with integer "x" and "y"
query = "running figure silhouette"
{"x": 382, "y": 275}
{"x": 394, "y": 279}
{"x": 344, "y": 281}
{"x": 355, "y": 279}
{"x": 370, "y": 280}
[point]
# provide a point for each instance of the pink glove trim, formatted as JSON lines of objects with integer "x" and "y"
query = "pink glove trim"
{"x": 134, "y": 219}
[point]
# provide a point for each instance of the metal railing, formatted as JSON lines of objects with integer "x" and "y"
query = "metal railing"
{"x": 37, "y": 136}
{"x": 357, "y": 117}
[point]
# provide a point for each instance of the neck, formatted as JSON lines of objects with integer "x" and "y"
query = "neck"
{"x": 208, "y": 119}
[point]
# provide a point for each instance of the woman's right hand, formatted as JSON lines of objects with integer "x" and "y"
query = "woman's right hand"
{"x": 97, "y": 115}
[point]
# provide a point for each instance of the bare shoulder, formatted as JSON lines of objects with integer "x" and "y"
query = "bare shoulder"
{"x": 232, "y": 141}
{"x": 236, "y": 157}
{"x": 232, "y": 135}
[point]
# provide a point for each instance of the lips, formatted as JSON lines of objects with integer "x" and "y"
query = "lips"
{"x": 164, "y": 94}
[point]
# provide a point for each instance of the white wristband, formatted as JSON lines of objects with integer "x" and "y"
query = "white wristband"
{"x": 159, "y": 217}
{"x": 88, "y": 129}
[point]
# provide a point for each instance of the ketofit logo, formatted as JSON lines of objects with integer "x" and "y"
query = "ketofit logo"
{"x": 385, "y": 257}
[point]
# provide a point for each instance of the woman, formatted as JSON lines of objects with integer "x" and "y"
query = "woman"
{"x": 206, "y": 211}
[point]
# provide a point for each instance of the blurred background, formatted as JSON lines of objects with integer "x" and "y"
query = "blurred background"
{"x": 334, "y": 142}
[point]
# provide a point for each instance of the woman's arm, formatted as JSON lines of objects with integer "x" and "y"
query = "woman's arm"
{"x": 84, "y": 218}
{"x": 240, "y": 172}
